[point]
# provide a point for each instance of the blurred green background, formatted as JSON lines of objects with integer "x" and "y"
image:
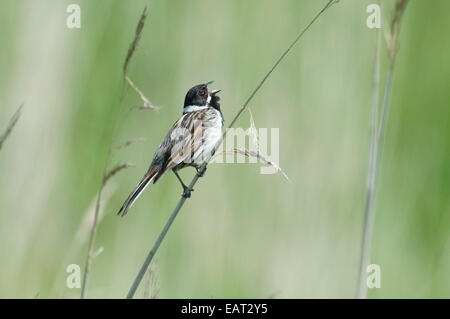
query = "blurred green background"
{"x": 242, "y": 234}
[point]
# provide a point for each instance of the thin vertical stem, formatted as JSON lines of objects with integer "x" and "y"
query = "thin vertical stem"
{"x": 377, "y": 136}
{"x": 10, "y": 126}
{"x": 93, "y": 234}
{"x": 370, "y": 189}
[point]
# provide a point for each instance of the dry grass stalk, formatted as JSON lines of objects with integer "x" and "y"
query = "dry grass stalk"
{"x": 98, "y": 252}
{"x": 147, "y": 103}
{"x": 82, "y": 235}
{"x": 253, "y": 133}
{"x": 180, "y": 204}
{"x": 109, "y": 173}
{"x": 113, "y": 171}
{"x": 255, "y": 138}
{"x": 11, "y": 124}
{"x": 259, "y": 156}
{"x": 134, "y": 44}
{"x": 84, "y": 228}
{"x": 131, "y": 142}
{"x": 131, "y": 50}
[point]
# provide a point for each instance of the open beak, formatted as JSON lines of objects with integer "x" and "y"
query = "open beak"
{"x": 213, "y": 92}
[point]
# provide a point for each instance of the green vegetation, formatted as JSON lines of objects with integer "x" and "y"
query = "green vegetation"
{"x": 242, "y": 234}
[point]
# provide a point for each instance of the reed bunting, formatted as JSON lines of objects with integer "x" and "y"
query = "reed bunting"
{"x": 189, "y": 142}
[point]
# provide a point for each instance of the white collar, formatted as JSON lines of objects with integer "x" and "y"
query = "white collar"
{"x": 192, "y": 108}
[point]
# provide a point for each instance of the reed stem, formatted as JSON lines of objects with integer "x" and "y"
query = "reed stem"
{"x": 180, "y": 204}
{"x": 377, "y": 131}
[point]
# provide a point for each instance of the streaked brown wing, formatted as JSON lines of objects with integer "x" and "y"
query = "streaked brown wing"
{"x": 180, "y": 143}
{"x": 186, "y": 143}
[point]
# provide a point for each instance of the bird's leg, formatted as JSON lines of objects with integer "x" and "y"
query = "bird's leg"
{"x": 199, "y": 170}
{"x": 186, "y": 190}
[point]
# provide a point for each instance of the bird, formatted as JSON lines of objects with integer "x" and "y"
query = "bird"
{"x": 191, "y": 140}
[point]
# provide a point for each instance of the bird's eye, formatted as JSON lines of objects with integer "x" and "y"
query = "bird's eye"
{"x": 202, "y": 93}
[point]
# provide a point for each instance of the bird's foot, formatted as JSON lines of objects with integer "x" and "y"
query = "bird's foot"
{"x": 200, "y": 172}
{"x": 187, "y": 192}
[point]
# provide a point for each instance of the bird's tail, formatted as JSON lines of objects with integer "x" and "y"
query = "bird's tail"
{"x": 135, "y": 193}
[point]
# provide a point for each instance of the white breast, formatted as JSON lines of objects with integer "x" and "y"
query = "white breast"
{"x": 211, "y": 135}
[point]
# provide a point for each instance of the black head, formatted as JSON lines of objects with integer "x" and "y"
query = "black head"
{"x": 200, "y": 96}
